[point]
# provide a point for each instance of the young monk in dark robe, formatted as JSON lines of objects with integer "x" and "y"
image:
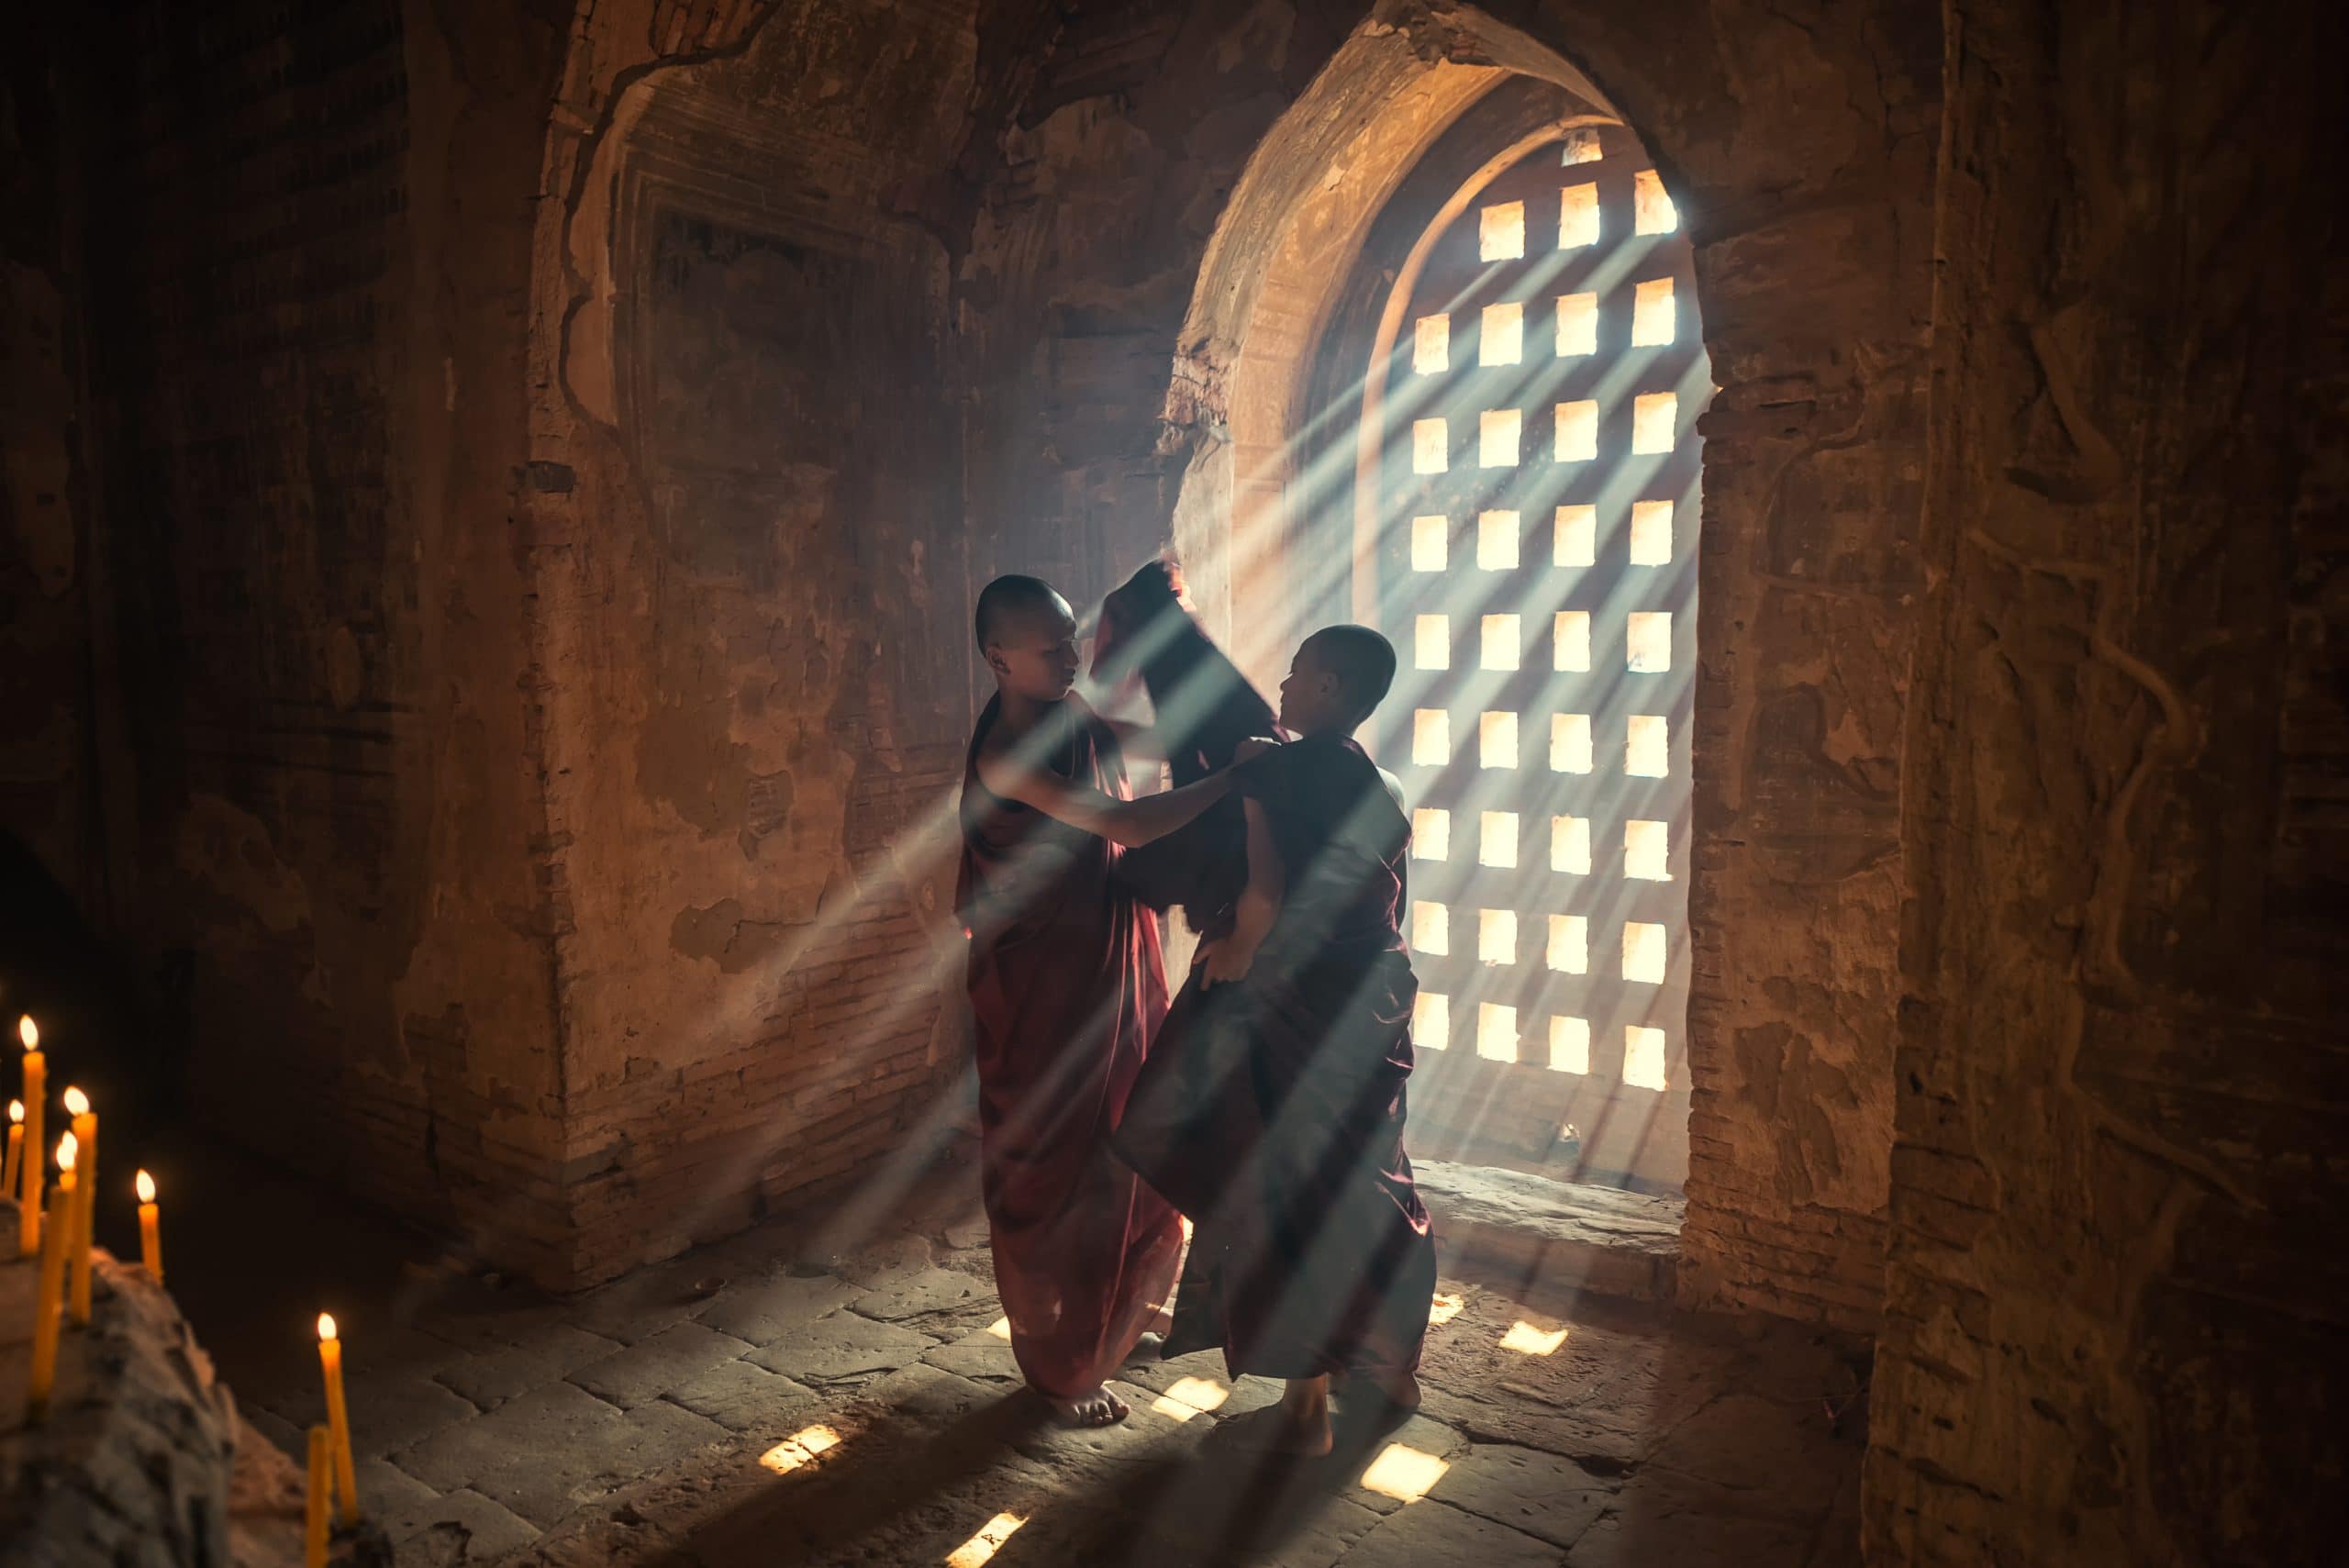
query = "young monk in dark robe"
{"x": 1066, "y": 986}
{"x": 1314, "y": 1257}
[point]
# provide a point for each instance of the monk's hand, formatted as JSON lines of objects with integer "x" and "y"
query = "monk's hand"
{"x": 1224, "y": 962}
{"x": 1255, "y": 746}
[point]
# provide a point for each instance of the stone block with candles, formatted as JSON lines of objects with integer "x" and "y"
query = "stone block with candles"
{"x": 141, "y": 1455}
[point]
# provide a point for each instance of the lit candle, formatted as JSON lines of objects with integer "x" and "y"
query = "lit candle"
{"x": 314, "y": 1521}
{"x": 51, "y": 1286}
{"x": 337, "y": 1419}
{"x": 85, "y": 1199}
{"x": 150, "y": 1228}
{"x": 15, "y": 1146}
{"x": 36, "y": 1096}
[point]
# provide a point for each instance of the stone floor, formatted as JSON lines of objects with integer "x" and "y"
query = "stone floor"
{"x": 653, "y": 1421}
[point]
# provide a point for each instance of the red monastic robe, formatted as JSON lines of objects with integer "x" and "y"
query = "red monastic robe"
{"x": 1067, "y": 987}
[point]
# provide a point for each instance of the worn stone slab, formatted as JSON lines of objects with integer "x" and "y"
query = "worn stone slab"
{"x": 763, "y": 1311}
{"x": 925, "y": 1394}
{"x": 1607, "y": 1394}
{"x": 393, "y": 1498}
{"x": 652, "y": 1366}
{"x": 1430, "y": 1532}
{"x": 476, "y": 1325}
{"x": 922, "y": 1292}
{"x": 1659, "y": 1516}
{"x": 558, "y": 1416}
{"x": 979, "y": 1354}
{"x": 468, "y": 1530}
{"x": 555, "y": 1349}
{"x": 1541, "y": 1494}
{"x": 1323, "y": 1538}
{"x": 544, "y": 1488}
{"x": 389, "y": 1412}
{"x": 742, "y": 1398}
{"x": 843, "y": 1346}
{"x": 642, "y": 1304}
{"x": 876, "y": 1263}
{"x": 1508, "y": 1228}
{"x": 373, "y": 1348}
{"x": 1776, "y": 1456}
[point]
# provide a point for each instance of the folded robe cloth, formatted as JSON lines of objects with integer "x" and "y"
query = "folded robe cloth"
{"x": 1204, "y": 708}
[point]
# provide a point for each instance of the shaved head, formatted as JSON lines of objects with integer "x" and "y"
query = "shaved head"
{"x": 1361, "y": 661}
{"x": 1005, "y": 599}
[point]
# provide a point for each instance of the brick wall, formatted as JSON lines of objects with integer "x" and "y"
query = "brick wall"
{"x": 319, "y": 802}
{"x": 2114, "y": 1290}
{"x": 47, "y": 799}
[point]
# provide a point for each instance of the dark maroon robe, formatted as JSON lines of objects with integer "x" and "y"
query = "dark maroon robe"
{"x": 1067, "y": 986}
{"x": 1280, "y": 1128}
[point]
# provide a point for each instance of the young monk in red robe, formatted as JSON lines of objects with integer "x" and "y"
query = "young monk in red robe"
{"x": 1314, "y": 1257}
{"x": 1067, "y": 986}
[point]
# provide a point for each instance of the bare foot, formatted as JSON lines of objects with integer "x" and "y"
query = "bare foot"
{"x": 1299, "y": 1424}
{"x": 1097, "y": 1407}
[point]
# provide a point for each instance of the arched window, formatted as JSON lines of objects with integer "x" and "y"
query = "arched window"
{"x": 1533, "y": 398}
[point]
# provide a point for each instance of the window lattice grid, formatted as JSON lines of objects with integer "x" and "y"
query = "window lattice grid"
{"x": 1548, "y": 529}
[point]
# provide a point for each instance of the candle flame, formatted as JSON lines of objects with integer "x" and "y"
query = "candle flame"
{"x": 68, "y": 1147}
{"x": 29, "y": 1032}
{"x": 146, "y": 1187}
{"x": 325, "y": 1325}
{"x": 15, "y": 1110}
{"x": 76, "y": 1102}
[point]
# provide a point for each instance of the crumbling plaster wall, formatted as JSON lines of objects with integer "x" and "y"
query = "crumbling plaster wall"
{"x": 1800, "y": 143}
{"x": 2116, "y": 1290}
{"x": 751, "y": 585}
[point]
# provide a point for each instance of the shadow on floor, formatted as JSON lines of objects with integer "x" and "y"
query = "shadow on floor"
{"x": 1225, "y": 1501}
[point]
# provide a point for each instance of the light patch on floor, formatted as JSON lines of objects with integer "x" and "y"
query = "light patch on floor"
{"x": 1527, "y": 1341}
{"x": 1191, "y": 1396}
{"x": 986, "y": 1543}
{"x": 800, "y": 1448}
{"x": 1403, "y": 1472}
{"x": 1001, "y": 1327}
{"x": 1444, "y": 1309}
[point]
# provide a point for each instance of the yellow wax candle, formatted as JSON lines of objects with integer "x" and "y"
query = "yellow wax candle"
{"x": 314, "y": 1521}
{"x": 50, "y": 1287}
{"x": 150, "y": 1228}
{"x": 16, "y": 1147}
{"x": 337, "y": 1419}
{"x": 85, "y": 1199}
{"x": 36, "y": 1098}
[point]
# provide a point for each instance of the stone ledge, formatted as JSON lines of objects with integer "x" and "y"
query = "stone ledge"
{"x": 1515, "y": 1230}
{"x": 143, "y": 1458}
